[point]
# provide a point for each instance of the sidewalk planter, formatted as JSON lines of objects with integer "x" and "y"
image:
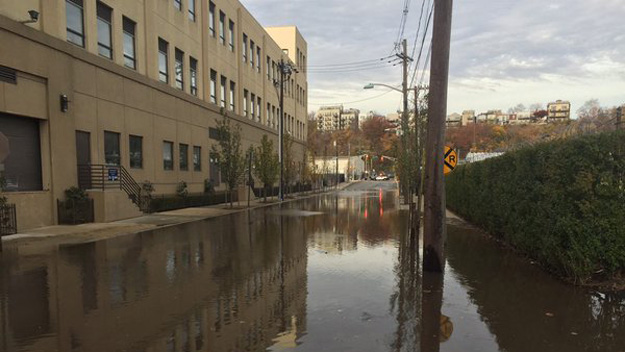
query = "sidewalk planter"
{"x": 8, "y": 219}
{"x": 75, "y": 212}
{"x": 561, "y": 203}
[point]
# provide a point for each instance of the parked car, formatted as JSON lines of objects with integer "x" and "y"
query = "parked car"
{"x": 381, "y": 178}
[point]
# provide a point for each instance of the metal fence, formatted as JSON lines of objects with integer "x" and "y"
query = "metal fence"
{"x": 75, "y": 212}
{"x": 8, "y": 220}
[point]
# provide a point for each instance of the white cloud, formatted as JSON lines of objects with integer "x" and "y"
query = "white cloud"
{"x": 503, "y": 52}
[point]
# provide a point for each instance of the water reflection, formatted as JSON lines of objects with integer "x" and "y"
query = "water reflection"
{"x": 326, "y": 274}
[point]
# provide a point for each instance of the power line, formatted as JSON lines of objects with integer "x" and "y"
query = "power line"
{"x": 355, "y": 69}
{"x": 369, "y": 61}
{"x": 353, "y": 102}
{"x": 402, "y": 24}
{"x": 427, "y": 26}
{"x": 416, "y": 38}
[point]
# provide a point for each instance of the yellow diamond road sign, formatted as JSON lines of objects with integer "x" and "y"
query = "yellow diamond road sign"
{"x": 451, "y": 159}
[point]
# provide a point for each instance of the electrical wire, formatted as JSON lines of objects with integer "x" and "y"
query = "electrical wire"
{"x": 425, "y": 34}
{"x": 353, "y": 102}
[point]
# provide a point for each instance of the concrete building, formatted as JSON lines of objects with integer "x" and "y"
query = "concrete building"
{"x": 468, "y": 116}
{"x": 454, "y": 120}
{"x": 335, "y": 118}
{"x": 138, "y": 86}
{"x": 559, "y": 111}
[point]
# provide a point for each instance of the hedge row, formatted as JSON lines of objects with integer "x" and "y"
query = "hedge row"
{"x": 562, "y": 202}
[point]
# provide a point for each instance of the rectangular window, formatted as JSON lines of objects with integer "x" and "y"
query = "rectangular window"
{"x": 214, "y": 169}
{"x": 104, "y": 14}
{"x": 179, "y": 68}
{"x": 232, "y": 90}
{"x": 268, "y": 68}
{"x": 197, "y": 158}
{"x": 22, "y": 167}
{"x": 183, "y": 149}
{"x": 258, "y": 55}
{"x": 213, "y": 91}
{"x": 112, "y": 155}
{"x": 252, "y": 46}
{"x": 136, "y": 152}
{"x": 178, "y": 4}
{"x": 244, "y": 47}
{"x": 224, "y": 81}
{"x": 245, "y": 94}
{"x": 211, "y": 18}
{"x": 252, "y": 108}
{"x": 168, "y": 155}
{"x": 268, "y": 114}
{"x": 75, "y": 22}
{"x": 231, "y": 35}
{"x": 192, "y": 10}
{"x": 193, "y": 75}
{"x": 163, "y": 70}
{"x": 258, "y": 111}
{"x": 130, "y": 60}
{"x": 222, "y": 30}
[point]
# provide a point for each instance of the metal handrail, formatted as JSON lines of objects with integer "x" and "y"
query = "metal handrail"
{"x": 102, "y": 177}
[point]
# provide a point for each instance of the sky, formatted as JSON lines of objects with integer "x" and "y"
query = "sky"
{"x": 503, "y": 52}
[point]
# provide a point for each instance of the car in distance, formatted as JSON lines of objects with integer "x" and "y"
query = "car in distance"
{"x": 381, "y": 178}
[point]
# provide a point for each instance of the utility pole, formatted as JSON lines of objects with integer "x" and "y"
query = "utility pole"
{"x": 619, "y": 118}
{"x": 285, "y": 73}
{"x": 435, "y": 231}
{"x": 404, "y": 122}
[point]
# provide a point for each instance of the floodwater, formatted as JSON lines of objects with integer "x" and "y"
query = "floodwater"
{"x": 331, "y": 273}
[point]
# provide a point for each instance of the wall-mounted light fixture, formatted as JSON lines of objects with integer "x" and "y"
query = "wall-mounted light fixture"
{"x": 64, "y": 103}
{"x": 34, "y": 17}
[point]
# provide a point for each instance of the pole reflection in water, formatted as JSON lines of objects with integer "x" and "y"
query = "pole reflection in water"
{"x": 331, "y": 273}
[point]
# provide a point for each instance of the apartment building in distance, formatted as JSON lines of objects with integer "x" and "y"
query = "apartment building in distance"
{"x": 135, "y": 87}
{"x": 335, "y": 118}
{"x": 559, "y": 110}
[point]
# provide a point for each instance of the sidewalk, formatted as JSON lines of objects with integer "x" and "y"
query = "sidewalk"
{"x": 35, "y": 240}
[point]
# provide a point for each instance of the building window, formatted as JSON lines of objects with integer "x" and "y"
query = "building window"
{"x": 178, "y": 4}
{"x": 104, "y": 14}
{"x": 258, "y": 55}
{"x": 268, "y": 114}
{"x": 245, "y": 93}
{"x": 222, "y": 29}
{"x": 136, "y": 152}
{"x": 224, "y": 81}
{"x": 213, "y": 91}
{"x": 258, "y": 111}
{"x": 192, "y": 10}
{"x": 231, "y": 35}
{"x": 111, "y": 148}
{"x": 75, "y": 22}
{"x": 163, "y": 71}
{"x": 130, "y": 60}
{"x": 197, "y": 158}
{"x": 211, "y": 18}
{"x": 252, "y": 46}
{"x": 268, "y": 68}
{"x": 244, "y": 47}
{"x": 193, "y": 75}
{"x": 183, "y": 149}
{"x": 252, "y": 108}
{"x": 232, "y": 100}
{"x": 168, "y": 155}
{"x": 179, "y": 68}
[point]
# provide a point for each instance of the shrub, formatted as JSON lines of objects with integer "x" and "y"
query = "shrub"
{"x": 75, "y": 194}
{"x": 181, "y": 189}
{"x": 562, "y": 202}
{"x": 147, "y": 188}
{"x": 209, "y": 188}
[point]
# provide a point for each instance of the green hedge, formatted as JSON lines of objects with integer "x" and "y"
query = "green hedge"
{"x": 562, "y": 202}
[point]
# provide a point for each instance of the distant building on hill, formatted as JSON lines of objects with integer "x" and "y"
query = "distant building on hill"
{"x": 335, "y": 118}
{"x": 559, "y": 110}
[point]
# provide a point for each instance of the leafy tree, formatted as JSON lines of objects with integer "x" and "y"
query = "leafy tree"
{"x": 266, "y": 164}
{"x": 230, "y": 157}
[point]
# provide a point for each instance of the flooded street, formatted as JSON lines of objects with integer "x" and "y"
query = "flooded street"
{"x": 328, "y": 273}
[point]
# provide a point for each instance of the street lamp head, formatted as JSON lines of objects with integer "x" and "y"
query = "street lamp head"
{"x": 369, "y": 86}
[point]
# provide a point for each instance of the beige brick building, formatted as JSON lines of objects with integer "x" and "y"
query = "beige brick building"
{"x": 559, "y": 110}
{"x": 139, "y": 84}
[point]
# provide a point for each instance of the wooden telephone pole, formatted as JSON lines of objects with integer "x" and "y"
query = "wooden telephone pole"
{"x": 435, "y": 232}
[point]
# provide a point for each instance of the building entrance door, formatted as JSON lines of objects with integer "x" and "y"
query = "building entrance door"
{"x": 83, "y": 158}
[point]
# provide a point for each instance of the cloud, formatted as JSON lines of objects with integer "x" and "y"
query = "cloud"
{"x": 503, "y": 52}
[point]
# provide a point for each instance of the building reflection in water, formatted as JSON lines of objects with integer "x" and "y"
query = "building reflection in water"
{"x": 218, "y": 285}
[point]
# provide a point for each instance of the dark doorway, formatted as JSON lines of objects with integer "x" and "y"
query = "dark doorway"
{"x": 83, "y": 158}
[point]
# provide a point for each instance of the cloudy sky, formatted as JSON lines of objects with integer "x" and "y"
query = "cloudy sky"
{"x": 503, "y": 52}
